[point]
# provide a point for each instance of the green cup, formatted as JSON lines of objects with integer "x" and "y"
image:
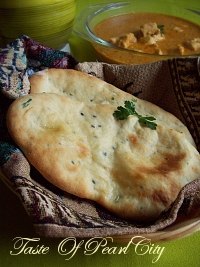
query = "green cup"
{"x": 47, "y": 21}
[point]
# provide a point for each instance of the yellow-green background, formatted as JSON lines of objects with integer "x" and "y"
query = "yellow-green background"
{"x": 14, "y": 221}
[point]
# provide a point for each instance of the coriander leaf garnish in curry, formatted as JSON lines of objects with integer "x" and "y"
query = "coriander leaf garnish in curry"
{"x": 161, "y": 27}
{"x": 122, "y": 113}
{"x": 25, "y": 104}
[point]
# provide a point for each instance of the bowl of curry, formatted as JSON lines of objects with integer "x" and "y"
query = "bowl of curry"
{"x": 140, "y": 32}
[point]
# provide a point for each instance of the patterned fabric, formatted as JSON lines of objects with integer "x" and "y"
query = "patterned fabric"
{"x": 173, "y": 84}
{"x": 22, "y": 58}
{"x": 186, "y": 84}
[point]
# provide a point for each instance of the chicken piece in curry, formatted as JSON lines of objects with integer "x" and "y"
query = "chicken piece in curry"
{"x": 152, "y": 33}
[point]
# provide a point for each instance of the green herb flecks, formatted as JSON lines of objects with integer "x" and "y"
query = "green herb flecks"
{"x": 25, "y": 104}
{"x": 122, "y": 113}
{"x": 161, "y": 27}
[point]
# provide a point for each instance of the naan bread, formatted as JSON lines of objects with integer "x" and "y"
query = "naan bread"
{"x": 81, "y": 148}
{"x": 87, "y": 88}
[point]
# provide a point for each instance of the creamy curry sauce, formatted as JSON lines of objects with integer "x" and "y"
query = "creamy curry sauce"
{"x": 151, "y": 33}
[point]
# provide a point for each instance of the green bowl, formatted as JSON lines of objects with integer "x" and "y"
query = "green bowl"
{"x": 43, "y": 23}
{"x": 88, "y": 19}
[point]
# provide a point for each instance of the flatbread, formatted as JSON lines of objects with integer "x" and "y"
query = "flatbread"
{"x": 87, "y": 88}
{"x": 79, "y": 146}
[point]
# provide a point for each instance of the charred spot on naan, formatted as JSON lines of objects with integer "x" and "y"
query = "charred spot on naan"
{"x": 159, "y": 196}
{"x": 133, "y": 139}
{"x": 83, "y": 150}
{"x": 168, "y": 163}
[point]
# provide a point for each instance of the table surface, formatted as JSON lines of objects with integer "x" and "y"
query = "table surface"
{"x": 14, "y": 222}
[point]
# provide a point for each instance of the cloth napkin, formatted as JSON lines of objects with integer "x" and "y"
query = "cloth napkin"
{"x": 173, "y": 85}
